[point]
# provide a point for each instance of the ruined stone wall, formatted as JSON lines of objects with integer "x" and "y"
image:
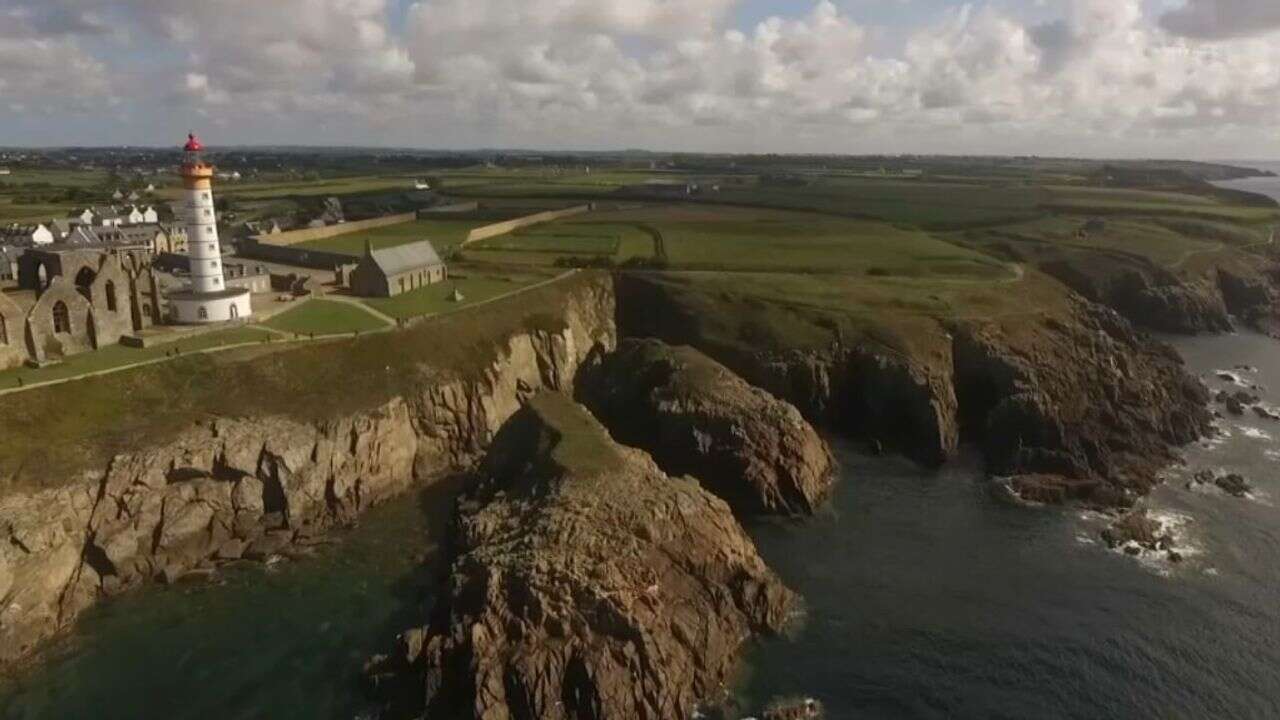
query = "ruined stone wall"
{"x": 510, "y": 226}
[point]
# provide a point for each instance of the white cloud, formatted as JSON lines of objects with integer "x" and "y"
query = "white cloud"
{"x": 1100, "y": 76}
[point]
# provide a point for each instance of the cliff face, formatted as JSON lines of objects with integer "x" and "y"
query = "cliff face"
{"x": 697, "y": 418}
{"x": 256, "y": 487}
{"x": 1082, "y": 407}
{"x": 589, "y": 584}
{"x": 1072, "y": 397}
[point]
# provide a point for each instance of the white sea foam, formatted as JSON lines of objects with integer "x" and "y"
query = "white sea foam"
{"x": 1230, "y": 376}
{"x": 1255, "y": 433}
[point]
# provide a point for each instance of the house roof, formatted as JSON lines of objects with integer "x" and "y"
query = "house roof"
{"x": 404, "y": 258}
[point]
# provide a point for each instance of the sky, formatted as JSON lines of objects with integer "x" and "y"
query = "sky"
{"x": 1114, "y": 78}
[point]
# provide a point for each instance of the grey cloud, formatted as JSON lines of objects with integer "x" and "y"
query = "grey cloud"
{"x": 1222, "y": 19}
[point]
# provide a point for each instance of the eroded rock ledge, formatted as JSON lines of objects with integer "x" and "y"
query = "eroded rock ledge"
{"x": 588, "y": 584}
{"x": 697, "y": 418}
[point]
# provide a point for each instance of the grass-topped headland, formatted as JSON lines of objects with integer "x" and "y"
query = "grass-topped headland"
{"x": 55, "y": 432}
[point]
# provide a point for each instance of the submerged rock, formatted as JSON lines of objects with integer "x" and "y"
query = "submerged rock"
{"x": 1137, "y": 530}
{"x": 698, "y": 418}
{"x": 588, "y": 584}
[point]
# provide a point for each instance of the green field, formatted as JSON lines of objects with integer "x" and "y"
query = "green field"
{"x": 697, "y": 237}
{"x": 116, "y": 356}
{"x": 325, "y": 317}
{"x": 476, "y": 287}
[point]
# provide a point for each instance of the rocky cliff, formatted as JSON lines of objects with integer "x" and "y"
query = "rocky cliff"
{"x": 698, "y": 418}
{"x": 253, "y": 487}
{"x": 588, "y": 584}
{"x": 1069, "y": 395}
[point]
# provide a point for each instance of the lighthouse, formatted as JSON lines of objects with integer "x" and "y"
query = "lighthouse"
{"x": 206, "y": 299}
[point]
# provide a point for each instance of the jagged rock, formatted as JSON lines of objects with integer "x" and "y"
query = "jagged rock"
{"x": 1265, "y": 413}
{"x": 1234, "y": 406}
{"x": 697, "y": 418}
{"x": 1137, "y": 528}
{"x": 588, "y": 584}
{"x": 1233, "y": 484}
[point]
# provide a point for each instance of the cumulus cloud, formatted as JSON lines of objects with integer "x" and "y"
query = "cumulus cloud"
{"x": 1218, "y": 19}
{"x": 1101, "y": 73}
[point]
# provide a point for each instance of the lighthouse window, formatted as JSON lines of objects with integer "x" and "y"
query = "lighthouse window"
{"x": 206, "y": 196}
{"x": 203, "y": 313}
{"x": 213, "y": 263}
{"x": 207, "y": 212}
{"x": 208, "y": 229}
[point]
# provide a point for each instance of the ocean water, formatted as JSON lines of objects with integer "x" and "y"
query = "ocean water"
{"x": 286, "y": 641}
{"x": 925, "y": 598}
{"x": 1269, "y": 186}
{"x": 928, "y": 598}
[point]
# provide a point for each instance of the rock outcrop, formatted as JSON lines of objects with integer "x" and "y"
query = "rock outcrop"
{"x": 1071, "y": 397}
{"x": 589, "y": 584}
{"x": 698, "y": 418}
{"x": 254, "y": 487}
{"x": 1086, "y": 404}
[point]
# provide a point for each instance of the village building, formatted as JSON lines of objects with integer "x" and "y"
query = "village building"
{"x": 26, "y": 235}
{"x": 9, "y": 256}
{"x": 392, "y": 271}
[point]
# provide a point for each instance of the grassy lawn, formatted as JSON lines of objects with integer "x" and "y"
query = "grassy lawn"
{"x": 444, "y": 234}
{"x": 434, "y": 299}
{"x": 583, "y": 236}
{"x": 325, "y": 317}
{"x": 116, "y": 356}
{"x": 700, "y": 237}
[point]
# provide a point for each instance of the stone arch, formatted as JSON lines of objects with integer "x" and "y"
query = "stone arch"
{"x": 56, "y": 324}
{"x": 84, "y": 282}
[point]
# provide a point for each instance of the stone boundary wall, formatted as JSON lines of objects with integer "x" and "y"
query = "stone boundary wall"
{"x": 252, "y": 248}
{"x": 465, "y": 207}
{"x": 293, "y": 237}
{"x": 510, "y": 226}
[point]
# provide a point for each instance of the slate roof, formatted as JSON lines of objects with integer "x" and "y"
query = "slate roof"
{"x": 405, "y": 258}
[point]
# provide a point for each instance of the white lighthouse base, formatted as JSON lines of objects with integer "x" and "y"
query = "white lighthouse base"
{"x": 188, "y": 308}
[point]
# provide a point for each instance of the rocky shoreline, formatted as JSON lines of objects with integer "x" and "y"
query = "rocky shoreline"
{"x": 590, "y": 579}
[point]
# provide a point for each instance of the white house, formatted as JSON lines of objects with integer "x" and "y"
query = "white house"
{"x": 26, "y": 235}
{"x": 149, "y": 215}
{"x": 117, "y": 195}
{"x": 132, "y": 216}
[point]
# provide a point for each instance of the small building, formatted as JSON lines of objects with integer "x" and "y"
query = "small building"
{"x": 392, "y": 271}
{"x": 26, "y": 235}
{"x": 9, "y": 256}
{"x": 5, "y": 171}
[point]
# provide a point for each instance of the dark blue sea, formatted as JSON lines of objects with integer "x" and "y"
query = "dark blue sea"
{"x": 925, "y": 598}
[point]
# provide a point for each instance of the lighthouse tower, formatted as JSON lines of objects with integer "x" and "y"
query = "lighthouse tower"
{"x": 206, "y": 299}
